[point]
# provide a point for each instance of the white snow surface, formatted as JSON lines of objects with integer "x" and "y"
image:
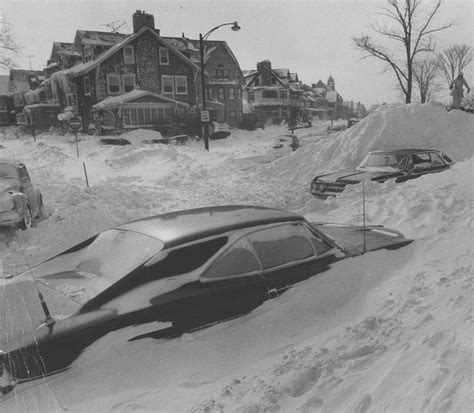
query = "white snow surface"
{"x": 389, "y": 331}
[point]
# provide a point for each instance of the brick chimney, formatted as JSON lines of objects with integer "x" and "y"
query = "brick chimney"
{"x": 142, "y": 19}
{"x": 265, "y": 74}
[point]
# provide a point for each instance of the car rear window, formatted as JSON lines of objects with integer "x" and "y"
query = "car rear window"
{"x": 281, "y": 245}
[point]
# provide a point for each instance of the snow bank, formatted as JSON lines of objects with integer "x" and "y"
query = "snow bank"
{"x": 386, "y": 331}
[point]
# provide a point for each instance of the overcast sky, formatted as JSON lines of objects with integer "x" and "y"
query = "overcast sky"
{"x": 312, "y": 37}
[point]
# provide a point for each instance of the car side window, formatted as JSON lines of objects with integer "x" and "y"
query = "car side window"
{"x": 436, "y": 159}
{"x": 281, "y": 245}
{"x": 185, "y": 259}
{"x": 319, "y": 244}
{"x": 238, "y": 260}
{"x": 421, "y": 160}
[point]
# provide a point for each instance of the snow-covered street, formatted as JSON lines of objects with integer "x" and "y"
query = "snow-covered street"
{"x": 388, "y": 331}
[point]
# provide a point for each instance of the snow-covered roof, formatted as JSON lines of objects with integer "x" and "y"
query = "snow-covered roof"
{"x": 98, "y": 38}
{"x": 112, "y": 101}
{"x": 84, "y": 68}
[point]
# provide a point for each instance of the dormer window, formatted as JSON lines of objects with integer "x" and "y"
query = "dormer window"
{"x": 164, "y": 56}
{"x": 128, "y": 55}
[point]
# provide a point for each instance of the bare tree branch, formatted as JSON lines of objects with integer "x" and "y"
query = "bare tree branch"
{"x": 412, "y": 28}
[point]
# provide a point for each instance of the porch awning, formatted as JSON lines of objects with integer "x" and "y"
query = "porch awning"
{"x": 114, "y": 101}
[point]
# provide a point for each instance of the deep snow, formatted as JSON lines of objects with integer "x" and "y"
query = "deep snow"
{"x": 387, "y": 331}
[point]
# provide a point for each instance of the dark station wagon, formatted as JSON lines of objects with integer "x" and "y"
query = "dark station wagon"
{"x": 184, "y": 270}
{"x": 380, "y": 166}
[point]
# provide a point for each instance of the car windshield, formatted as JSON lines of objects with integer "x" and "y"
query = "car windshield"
{"x": 7, "y": 171}
{"x": 382, "y": 160}
{"x": 85, "y": 270}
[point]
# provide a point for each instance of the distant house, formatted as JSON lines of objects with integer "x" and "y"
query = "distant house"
{"x": 273, "y": 93}
{"x": 335, "y": 103}
{"x": 224, "y": 78}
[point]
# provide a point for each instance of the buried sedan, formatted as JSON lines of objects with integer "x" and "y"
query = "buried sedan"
{"x": 380, "y": 166}
{"x": 183, "y": 270}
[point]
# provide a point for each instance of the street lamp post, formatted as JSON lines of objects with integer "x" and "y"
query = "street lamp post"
{"x": 235, "y": 27}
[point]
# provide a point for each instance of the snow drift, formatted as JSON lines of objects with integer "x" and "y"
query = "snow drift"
{"x": 387, "y": 331}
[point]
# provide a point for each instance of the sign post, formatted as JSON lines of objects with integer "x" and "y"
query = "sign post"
{"x": 75, "y": 124}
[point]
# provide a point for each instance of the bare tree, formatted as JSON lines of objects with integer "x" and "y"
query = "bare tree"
{"x": 425, "y": 72}
{"x": 454, "y": 59}
{"x": 412, "y": 27}
{"x": 8, "y": 46}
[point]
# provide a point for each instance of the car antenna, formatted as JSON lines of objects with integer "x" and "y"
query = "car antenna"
{"x": 363, "y": 213}
{"x": 49, "y": 320}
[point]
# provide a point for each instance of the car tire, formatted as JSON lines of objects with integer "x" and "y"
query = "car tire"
{"x": 27, "y": 221}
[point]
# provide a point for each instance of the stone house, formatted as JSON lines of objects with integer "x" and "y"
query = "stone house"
{"x": 100, "y": 74}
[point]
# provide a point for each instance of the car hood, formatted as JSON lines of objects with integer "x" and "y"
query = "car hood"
{"x": 355, "y": 239}
{"x": 22, "y": 311}
{"x": 354, "y": 176}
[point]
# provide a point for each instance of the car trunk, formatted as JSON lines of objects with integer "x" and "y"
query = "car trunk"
{"x": 355, "y": 240}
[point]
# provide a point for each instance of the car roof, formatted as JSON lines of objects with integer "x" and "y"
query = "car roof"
{"x": 403, "y": 151}
{"x": 176, "y": 228}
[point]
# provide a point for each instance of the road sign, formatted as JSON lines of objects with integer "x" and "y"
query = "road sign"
{"x": 204, "y": 116}
{"x": 75, "y": 123}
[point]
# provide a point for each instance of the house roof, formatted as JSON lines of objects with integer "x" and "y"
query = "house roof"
{"x": 84, "y": 68}
{"x": 191, "y": 46}
{"x": 92, "y": 37}
{"x": 63, "y": 49}
{"x": 113, "y": 101}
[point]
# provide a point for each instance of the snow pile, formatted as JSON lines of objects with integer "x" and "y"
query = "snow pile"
{"x": 386, "y": 331}
{"x": 140, "y": 136}
{"x": 426, "y": 126}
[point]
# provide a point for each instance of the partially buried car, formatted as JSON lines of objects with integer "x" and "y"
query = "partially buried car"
{"x": 184, "y": 270}
{"x": 20, "y": 201}
{"x": 381, "y": 166}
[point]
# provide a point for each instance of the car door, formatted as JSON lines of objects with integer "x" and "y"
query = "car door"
{"x": 288, "y": 254}
{"x": 218, "y": 286}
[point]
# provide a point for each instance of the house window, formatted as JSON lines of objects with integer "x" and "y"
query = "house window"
{"x": 209, "y": 93}
{"x": 113, "y": 84}
{"x": 128, "y": 82}
{"x": 181, "y": 85}
{"x": 146, "y": 116}
{"x": 283, "y": 94}
{"x": 164, "y": 56}
{"x": 250, "y": 95}
{"x": 128, "y": 55}
{"x": 257, "y": 81}
{"x": 167, "y": 85}
{"x": 221, "y": 94}
{"x": 270, "y": 94}
{"x": 231, "y": 93}
{"x": 87, "y": 86}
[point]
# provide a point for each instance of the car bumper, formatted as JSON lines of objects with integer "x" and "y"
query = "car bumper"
{"x": 326, "y": 189}
{"x": 10, "y": 218}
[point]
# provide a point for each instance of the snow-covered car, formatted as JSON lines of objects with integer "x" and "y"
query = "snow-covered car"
{"x": 184, "y": 270}
{"x": 20, "y": 201}
{"x": 380, "y": 166}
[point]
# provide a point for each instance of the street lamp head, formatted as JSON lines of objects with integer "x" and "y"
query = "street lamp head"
{"x": 235, "y": 27}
